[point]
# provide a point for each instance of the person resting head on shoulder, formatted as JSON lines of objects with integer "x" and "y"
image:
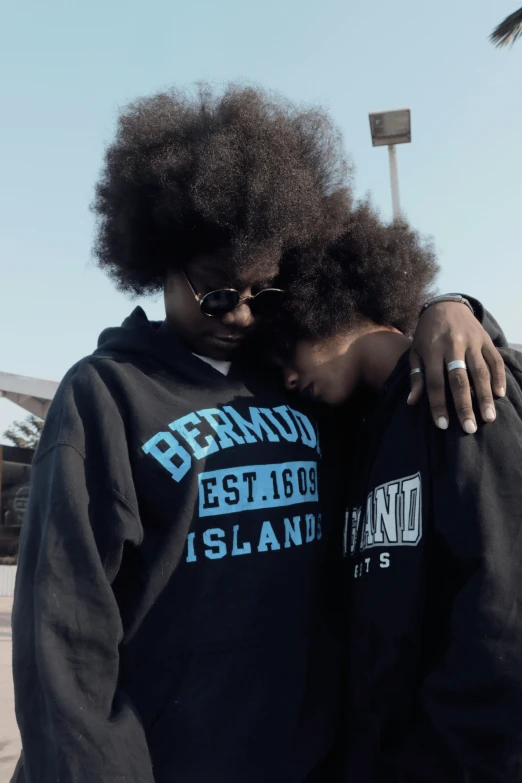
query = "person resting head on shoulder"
{"x": 431, "y": 538}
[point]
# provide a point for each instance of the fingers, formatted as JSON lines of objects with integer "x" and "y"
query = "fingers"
{"x": 496, "y": 367}
{"x": 436, "y": 388}
{"x": 460, "y": 389}
{"x": 434, "y": 380}
{"x": 461, "y": 392}
{"x": 416, "y": 378}
{"x": 485, "y": 373}
{"x": 481, "y": 379}
{"x": 488, "y": 376}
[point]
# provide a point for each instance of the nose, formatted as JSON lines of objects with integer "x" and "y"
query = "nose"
{"x": 240, "y": 318}
{"x": 290, "y": 378}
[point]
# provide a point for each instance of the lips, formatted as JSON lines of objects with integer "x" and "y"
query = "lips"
{"x": 227, "y": 342}
{"x": 230, "y": 339}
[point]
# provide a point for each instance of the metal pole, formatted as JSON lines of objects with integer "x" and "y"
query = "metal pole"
{"x": 394, "y": 179}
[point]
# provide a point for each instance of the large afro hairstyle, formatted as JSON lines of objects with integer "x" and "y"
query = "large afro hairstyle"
{"x": 375, "y": 271}
{"x": 193, "y": 172}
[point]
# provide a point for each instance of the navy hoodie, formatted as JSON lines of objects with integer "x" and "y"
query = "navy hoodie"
{"x": 167, "y": 622}
{"x": 433, "y": 543}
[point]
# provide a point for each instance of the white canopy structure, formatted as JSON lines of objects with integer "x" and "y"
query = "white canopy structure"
{"x": 32, "y": 394}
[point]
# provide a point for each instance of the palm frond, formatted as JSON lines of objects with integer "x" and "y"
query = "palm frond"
{"x": 25, "y": 434}
{"x": 508, "y": 31}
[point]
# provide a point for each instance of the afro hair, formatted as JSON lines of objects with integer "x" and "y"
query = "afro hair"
{"x": 374, "y": 271}
{"x": 192, "y": 173}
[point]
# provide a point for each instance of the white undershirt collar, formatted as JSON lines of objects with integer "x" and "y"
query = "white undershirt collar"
{"x": 218, "y": 364}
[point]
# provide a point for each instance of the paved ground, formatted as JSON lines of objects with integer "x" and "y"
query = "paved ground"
{"x": 9, "y": 738}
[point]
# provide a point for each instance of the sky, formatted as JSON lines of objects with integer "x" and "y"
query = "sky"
{"x": 67, "y": 66}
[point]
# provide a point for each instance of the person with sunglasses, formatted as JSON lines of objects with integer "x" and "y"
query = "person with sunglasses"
{"x": 169, "y": 619}
{"x": 432, "y": 538}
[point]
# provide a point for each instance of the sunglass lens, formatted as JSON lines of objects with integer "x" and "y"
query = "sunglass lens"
{"x": 219, "y": 302}
{"x": 266, "y": 302}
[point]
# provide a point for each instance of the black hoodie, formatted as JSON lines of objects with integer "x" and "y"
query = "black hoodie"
{"x": 434, "y": 567}
{"x": 167, "y": 620}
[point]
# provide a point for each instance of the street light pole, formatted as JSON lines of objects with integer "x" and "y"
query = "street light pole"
{"x": 390, "y": 128}
{"x": 394, "y": 180}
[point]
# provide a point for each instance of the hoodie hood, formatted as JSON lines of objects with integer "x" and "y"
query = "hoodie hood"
{"x": 139, "y": 338}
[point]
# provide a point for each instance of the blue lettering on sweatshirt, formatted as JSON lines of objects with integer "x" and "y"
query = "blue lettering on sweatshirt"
{"x": 268, "y": 536}
{"x": 229, "y": 491}
{"x": 250, "y": 487}
{"x": 177, "y": 447}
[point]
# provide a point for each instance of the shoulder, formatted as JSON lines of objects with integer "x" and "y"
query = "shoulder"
{"x": 494, "y": 450}
{"x": 87, "y": 398}
{"x": 85, "y": 379}
{"x": 513, "y": 365}
{"x": 508, "y": 408}
{"x": 95, "y": 375}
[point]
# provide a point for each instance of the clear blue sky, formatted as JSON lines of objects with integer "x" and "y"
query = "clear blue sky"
{"x": 68, "y": 65}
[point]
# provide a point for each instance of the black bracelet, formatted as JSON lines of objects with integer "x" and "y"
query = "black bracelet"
{"x": 446, "y": 298}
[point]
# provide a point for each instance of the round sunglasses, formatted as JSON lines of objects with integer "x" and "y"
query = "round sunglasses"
{"x": 224, "y": 300}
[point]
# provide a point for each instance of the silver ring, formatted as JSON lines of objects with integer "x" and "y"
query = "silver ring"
{"x": 457, "y": 364}
{"x": 417, "y": 370}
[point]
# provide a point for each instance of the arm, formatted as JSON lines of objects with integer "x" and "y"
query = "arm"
{"x": 449, "y": 331}
{"x": 471, "y": 702}
{"x": 75, "y": 721}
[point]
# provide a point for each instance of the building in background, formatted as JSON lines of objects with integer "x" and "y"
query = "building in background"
{"x": 15, "y": 473}
{"x": 33, "y": 395}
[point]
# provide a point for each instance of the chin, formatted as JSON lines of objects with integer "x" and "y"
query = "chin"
{"x": 334, "y": 399}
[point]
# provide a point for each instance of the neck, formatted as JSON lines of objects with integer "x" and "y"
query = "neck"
{"x": 378, "y": 352}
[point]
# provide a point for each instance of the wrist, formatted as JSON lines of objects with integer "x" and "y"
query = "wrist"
{"x": 455, "y": 298}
